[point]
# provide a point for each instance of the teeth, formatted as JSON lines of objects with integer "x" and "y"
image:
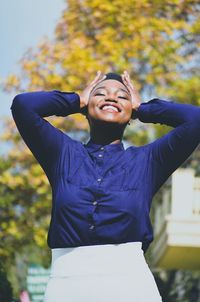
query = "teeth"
{"x": 110, "y": 108}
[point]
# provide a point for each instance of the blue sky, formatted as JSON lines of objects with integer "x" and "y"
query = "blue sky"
{"x": 23, "y": 24}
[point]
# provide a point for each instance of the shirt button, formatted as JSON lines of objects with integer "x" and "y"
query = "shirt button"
{"x": 92, "y": 227}
{"x": 99, "y": 179}
{"x": 95, "y": 203}
{"x": 102, "y": 148}
{"x": 100, "y": 155}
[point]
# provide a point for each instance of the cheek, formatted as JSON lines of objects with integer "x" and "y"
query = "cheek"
{"x": 91, "y": 106}
{"x": 91, "y": 101}
{"x": 129, "y": 108}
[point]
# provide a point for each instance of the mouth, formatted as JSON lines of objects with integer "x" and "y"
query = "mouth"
{"x": 110, "y": 107}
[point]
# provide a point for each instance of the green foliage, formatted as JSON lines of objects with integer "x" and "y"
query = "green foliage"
{"x": 5, "y": 286}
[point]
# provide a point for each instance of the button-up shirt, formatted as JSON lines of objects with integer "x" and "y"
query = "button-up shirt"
{"x": 102, "y": 194}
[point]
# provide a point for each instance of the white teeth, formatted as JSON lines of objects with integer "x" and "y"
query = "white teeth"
{"x": 110, "y": 108}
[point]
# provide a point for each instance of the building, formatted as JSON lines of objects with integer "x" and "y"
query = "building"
{"x": 177, "y": 223}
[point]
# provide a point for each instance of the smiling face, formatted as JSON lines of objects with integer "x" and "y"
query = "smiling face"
{"x": 110, "y": 102}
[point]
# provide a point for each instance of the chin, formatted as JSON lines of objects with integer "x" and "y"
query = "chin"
{"x": 108, "y": 121}
{"x": 107, "y": 117}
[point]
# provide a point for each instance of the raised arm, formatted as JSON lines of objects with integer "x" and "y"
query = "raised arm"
{"x": 43, "y": 139}
{"x": 172, "y": 149}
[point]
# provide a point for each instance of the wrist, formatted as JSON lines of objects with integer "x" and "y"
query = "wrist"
{"x": 135, "y": 111}
{"x": 137, "y": 107}
{"x": 82, "y": 103}
{"x": 83, "y": 107}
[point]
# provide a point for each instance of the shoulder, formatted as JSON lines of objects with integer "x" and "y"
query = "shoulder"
{"x": 138, "y": 149}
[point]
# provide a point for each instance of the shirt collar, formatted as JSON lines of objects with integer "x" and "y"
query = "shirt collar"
{"x": 92, "y": 147}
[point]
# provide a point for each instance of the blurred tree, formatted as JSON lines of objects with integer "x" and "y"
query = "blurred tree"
{"x": 156, "y": 41}
{"x": 5, "y": 286}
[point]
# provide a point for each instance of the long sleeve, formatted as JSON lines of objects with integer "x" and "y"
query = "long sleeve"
{"x": 43, "y": 139}
{"x": 171, "y": 150}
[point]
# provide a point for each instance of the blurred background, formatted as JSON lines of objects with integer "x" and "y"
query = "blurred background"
{"x": 61, "y": 45}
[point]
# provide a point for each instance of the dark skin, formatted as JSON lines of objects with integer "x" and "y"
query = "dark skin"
{"x": 107, "y": 124}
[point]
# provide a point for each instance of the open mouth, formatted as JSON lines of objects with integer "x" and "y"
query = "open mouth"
{"x": 110, "y": 108}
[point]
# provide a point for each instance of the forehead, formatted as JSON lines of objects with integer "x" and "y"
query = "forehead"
{"x": 111, "y": 85}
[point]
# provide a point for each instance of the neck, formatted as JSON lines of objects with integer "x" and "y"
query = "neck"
{"x": 104, "y": 134}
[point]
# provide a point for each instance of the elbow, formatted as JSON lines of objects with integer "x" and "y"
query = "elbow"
{"x": 193, "y": 116}
{"x": 196, "y": 118}
{"x": 195, "y": 124}
{"x": 18, "y": 101}
{"x": 198, "y": 115}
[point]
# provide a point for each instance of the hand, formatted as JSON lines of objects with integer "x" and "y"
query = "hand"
{"x": 135, "y": 97}
{"x": 84, "y": 96}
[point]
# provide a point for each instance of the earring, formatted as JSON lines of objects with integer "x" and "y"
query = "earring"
{"x": 129, "y": 123}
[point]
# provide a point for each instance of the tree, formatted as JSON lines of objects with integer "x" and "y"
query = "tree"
{"x": 5, "y": 286}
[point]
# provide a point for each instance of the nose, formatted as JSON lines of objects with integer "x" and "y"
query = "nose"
{"x": 111, "y": 97}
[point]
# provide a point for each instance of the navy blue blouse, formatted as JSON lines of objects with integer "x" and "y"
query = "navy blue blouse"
{"x": 102, "y": 194}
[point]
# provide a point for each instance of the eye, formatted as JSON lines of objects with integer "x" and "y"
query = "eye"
{"x": 99, "y": 94}
{"x": 123, "y": 97}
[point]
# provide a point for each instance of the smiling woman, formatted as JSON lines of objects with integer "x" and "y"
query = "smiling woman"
{"x": 109, "y": 108}
{"x": 100, "y": 225}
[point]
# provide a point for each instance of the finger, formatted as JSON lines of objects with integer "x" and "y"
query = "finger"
{"x": 124, "y": 77}
{"x": 126, "y": 73}
{"x": 129, "y": 83}
{"x": 101, "y": 75}
{"x": 125, "y": 80}
{"x": 127, "y": 86}
{"x": 95, "y": 82}
{"x": 101, "y": 78}
{"x": 98, "y": 74}
{"x": 98, "y": 77}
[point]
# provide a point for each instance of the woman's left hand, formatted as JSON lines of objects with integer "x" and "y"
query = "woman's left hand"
{"x": 135, "y": 97}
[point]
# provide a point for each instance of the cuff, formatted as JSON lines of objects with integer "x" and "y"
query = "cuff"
{"x": 73, "y": 101}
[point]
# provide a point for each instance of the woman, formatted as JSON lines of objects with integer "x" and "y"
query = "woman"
{"x": 100, "y": 226}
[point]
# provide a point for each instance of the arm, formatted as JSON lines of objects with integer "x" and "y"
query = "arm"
{"x": 43, "y": 139}
{"x": 172, "y": 149}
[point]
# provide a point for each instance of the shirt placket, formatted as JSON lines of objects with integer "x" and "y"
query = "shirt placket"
{"x": 99, "y": 164}
{"x": 99, "y": 168}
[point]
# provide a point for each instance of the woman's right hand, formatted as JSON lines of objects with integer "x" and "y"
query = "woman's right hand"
{"x": 135, "y": 97}
{"x": 85, "y": 94}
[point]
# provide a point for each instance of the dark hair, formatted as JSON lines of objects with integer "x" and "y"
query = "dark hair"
{"x": 113, "y": 76}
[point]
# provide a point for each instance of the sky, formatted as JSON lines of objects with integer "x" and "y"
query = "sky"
{"x": 23, "y": 24}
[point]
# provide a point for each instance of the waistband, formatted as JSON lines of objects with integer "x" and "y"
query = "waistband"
{"x": 96, "y": 259}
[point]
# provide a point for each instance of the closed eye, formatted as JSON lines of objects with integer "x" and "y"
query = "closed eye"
{"x": 121, "y": 97}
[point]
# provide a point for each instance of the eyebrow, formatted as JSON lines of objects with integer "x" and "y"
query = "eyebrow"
{"x": 117, "y": 89}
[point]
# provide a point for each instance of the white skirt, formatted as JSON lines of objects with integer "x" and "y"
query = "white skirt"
{"x": 101, "y": 273}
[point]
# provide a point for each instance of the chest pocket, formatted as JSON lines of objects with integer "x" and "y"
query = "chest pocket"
{"x": 82, "y": 173}
{"x": 124, "y": 178}
{"x": 114, "y": 178}
{"x": 120, "y": 179}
